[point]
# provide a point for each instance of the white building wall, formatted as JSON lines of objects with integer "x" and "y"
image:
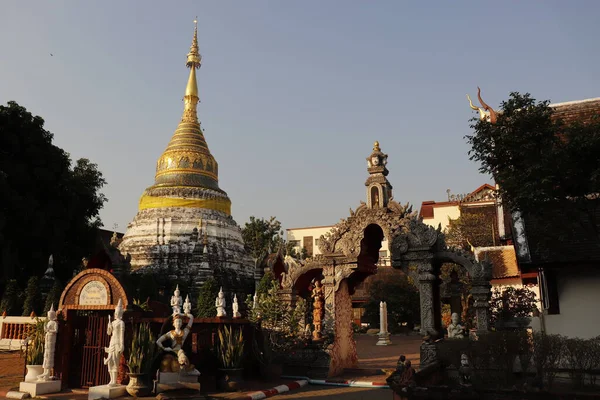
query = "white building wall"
{"x": 298, "y": 234}
{"x": 442, "y": 215}
{"x": 578, "y": 299}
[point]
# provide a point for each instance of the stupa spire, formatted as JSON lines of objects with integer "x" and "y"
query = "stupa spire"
{"x": 187, "y": 161}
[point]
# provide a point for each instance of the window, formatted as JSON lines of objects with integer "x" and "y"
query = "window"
{"x": 383, "y": 254}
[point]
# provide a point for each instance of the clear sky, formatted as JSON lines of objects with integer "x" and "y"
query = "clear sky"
{"x": 293, "y": 93}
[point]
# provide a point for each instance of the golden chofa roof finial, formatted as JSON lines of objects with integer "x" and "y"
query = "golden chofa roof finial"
{"x": 376, "y": 146}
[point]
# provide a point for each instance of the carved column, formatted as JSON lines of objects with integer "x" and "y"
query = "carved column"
{"x": 426, "y": 287}
{"x": 481, "y": 295}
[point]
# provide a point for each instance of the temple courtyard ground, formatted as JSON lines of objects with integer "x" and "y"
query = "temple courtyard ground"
{"x": 373, "y": 364}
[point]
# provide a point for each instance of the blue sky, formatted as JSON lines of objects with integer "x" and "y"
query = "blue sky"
{"x": 293, "y": 93}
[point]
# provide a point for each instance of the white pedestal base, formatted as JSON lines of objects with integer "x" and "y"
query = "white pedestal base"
{"x": 17, "y": 395}
{"x": 384, "y": 339}
{"x": 106, "y": 392}
{"x": 42, "y": 387}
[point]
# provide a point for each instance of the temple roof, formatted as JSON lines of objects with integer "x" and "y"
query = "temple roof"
{"x": 187, "y": 161}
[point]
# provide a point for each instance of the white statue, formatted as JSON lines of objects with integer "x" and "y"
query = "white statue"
{"x": 187, "y": 306}
{"x": 220, "y": 304}
{"x": 51, "y": 329}
{"x": 176, "y": 301}
{"x": 236, "y": 308}
{"x": 455, "y": 329}
{"x": 177, "y": 337}
{"x": 116, "y": 331}
{"x": 254, "y": 301}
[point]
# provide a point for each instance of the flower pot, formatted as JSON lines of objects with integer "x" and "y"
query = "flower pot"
{"x": 136, "y": 386}
{"x": 230, "y": 379}
{"x": 33, "y": 371}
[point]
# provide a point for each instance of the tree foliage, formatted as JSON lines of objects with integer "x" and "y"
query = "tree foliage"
{"x": 33, "y": 300}
{"x": 402, "y": 299}
{"x": 53, "y": 296}
{"x": 49, "y": 205}
{"x": 541, "y": 164}
{"x": 472, "y": 228}
{"x": 205, "y": 305}
{"x": 265, "y": 283}
{"x": 11, "y": 299}
{"x": 262, "y": 237}
{"x": 280, "y": 324}
{"x": 510, "y": 302}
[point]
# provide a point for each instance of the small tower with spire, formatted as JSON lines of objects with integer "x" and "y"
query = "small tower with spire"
{"x": 379, "y": 189}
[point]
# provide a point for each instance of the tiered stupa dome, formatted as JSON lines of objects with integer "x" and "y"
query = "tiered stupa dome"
{"x": 184, "y": 219}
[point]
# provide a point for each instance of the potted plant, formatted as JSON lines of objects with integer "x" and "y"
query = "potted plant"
{"x": 230, "y": 353}
{"x": 34, "y": 349}
{"x": 141, "y": 355}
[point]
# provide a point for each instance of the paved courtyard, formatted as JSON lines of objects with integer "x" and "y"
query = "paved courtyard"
{"x": 313, "y": 392}
{"x": 371, "y": 356}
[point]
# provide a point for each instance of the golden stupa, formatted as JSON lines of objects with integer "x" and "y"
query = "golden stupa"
{"x": 184, "y": 215}
{"x": 187, "y": 161}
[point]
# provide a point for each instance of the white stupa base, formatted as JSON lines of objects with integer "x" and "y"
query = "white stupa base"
{"x": 106, "y": 392}
{"x": 384, "y": 339}
{"x": 42, "y": 387}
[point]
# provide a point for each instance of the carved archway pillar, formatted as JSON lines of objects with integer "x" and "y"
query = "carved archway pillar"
{"x": 481, "y": 292}
{"x": 427, "y": 295}
{"x": 338, "y": 316}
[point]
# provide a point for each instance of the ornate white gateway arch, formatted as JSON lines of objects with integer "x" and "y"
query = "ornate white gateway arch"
{"x": 350, "y": 253}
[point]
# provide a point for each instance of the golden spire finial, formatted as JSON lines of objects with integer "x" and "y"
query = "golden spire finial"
{"x": 376, "y": 146}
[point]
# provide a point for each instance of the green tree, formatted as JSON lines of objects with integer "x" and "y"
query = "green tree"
{"x": 265, "y": 283}
{"x": 46, "y": 200}
{"x": 547, "y": 169}
{"x": 11, "y": 299}
{"x": 53, "y": 296}
{"x": 472, "y": 228}
{"x": 205, "y": 305}
{"x": 261, "y": 238}
{"x": 402, "y": 300}
{"x": 33, "y": 299}
{"x": 510, "y": 302}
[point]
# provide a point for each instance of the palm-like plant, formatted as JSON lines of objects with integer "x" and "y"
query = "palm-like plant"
{"x": 230, "y": 349}
{"x": 142, "y": 350}
{"x": 35, "y": 343}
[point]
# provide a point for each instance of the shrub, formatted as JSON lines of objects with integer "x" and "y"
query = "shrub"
{"x": 11, "y": 300}
{"x": 280, "y": 325}
{"x": 32, "y": 297}
{"x": 548, "y": 351}
{"x": 205, "y": 305}
{"x": 53, "y": 297}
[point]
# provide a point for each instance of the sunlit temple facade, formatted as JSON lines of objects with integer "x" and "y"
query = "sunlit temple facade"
{"x": 184, "y": 228}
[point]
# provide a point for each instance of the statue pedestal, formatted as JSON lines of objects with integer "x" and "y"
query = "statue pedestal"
{"x": 174, "y": 380}
{"x": 42, "y": 387}
{"x": 107, "y": 392}
{"x": 384, "y": 339}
